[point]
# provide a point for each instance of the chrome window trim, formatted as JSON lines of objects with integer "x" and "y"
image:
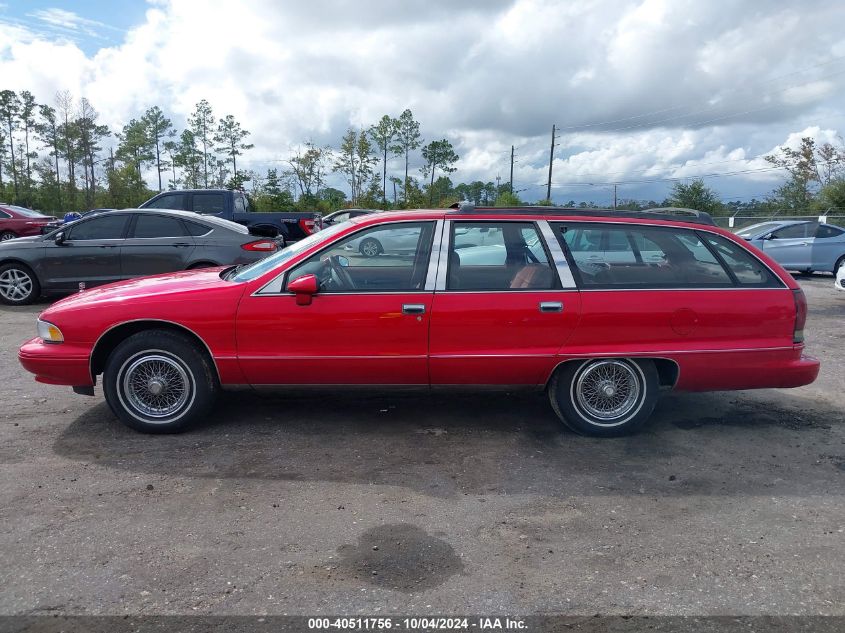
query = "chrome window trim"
{"x": 269, "y": 289}
{"x": 443, "y": 260}
{"x": 434, "y": 257}
{"x": 564, "y": 272}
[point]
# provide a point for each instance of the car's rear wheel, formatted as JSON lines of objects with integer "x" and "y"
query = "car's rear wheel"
{"x": 370, "y": 247}
{"x": 7, "y": 235}
{"x": 604, "y": 397}
{"x": 158, "y": 381}
{"x": 18, "y": 285}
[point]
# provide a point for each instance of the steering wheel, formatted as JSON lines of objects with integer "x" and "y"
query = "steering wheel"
{"x": 343, "y": 276}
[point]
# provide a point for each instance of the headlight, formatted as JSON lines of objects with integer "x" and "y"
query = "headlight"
{"x": 49, "y": 333}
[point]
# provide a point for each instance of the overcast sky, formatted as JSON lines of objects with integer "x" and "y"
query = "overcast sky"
{"x": 642, "y": 90}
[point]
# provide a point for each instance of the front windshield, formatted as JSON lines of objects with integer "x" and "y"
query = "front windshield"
{"x": 755, "y": 229}
{"x": 253, "y": 271}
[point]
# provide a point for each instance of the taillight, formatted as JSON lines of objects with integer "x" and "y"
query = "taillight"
{"x": 800, "y": 316}
{"x": 309, "y": 226}
{"x": 260, "y": 245}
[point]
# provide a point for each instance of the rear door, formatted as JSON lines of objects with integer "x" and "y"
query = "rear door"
{"x": 89, "y": 254}
{"x": 157, "y": 243}
{"x": 502, "y": 309}
{"x": 828, "y": 247}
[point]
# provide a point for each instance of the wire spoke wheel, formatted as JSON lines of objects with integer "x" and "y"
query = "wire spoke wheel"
{"x": 608, "y": 390}
{"x": 156, "y": 386}
{"x": 15, "y": 284}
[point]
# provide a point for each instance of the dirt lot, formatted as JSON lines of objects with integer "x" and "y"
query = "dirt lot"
{"x": 728, "y": 503}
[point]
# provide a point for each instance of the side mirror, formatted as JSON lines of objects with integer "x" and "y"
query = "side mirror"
{"x": 60, "y": 238}
{"x": 304, "y": 288}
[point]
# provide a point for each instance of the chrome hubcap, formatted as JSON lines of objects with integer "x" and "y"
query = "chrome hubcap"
{"x": 370, "y": 249}
{"x": 6, "y": 236}
{"x": 608, "y": 390}
{"x": 156, "y": 386}
{"x": 15, "y": 284}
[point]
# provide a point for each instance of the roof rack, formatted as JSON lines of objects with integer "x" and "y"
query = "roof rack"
{"x": 677, "y": 214}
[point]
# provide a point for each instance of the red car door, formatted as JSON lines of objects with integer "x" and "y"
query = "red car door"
{"x": 367, "y": 324}
{"x": 501, "y": 311}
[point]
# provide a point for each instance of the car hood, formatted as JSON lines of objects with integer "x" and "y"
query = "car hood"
{"x": 22, "y": 242}
{"x": 158, "y": 287}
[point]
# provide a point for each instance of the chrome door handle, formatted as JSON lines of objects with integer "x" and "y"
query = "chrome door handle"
{"x": 413, "y": 308}
{"x": 551, "y": 306}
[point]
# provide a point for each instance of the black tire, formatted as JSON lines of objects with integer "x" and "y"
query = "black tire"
{"x": 19, "y": 286}
{"x": 839, "y": 262}
{"x": 571, "y": 386}
{"x": 7, "y": 235}
{"x": 370, "y": 247}
{"x": 164, "y": 360}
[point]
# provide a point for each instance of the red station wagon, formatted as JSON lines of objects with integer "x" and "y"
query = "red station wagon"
{"x": 602, "y": 309}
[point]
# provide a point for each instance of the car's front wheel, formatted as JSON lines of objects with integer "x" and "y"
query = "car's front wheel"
{"x": 7, "y": 235}
{"x": 18, "y": 285}
{"x": 159, "y": 381}
{"x": 604, "y": 397}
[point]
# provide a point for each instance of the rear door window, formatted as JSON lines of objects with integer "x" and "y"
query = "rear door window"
{"x": 746, "y": 269}
{"x": 498, "y": 256}
{"x": 825, "y": 231}
{"x": 211, "y": 203}
{"x": 154, "y": 225}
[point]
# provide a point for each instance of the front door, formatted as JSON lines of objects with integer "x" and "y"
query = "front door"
{"x": 368, "y": 323}
{"x": 792, "y": 246}
{"x": 89, "y": 254}
{"x": 501, "y": 313}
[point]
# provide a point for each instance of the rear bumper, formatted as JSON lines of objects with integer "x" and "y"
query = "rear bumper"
{"x": 60, "y": 364}
{"x": 761, "y": 369}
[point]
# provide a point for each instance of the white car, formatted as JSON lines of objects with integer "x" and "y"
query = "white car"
{"x": 839, "y": 284}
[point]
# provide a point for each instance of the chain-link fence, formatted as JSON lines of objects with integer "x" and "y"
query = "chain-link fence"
{"x": 736, "y": 222}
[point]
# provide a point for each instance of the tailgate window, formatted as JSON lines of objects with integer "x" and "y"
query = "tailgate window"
{"x": 747, "y": 269}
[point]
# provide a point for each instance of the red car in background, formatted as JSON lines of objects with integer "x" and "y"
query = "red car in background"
{"x": 20, "y": 222}
{"x": 601, "y": 309}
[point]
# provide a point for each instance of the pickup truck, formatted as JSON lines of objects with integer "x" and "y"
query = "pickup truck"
{"x": 234, "y": 205}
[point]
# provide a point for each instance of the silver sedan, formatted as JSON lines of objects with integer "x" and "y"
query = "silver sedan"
{"x": 801, "y": 245}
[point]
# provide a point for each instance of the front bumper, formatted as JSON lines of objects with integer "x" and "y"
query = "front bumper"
{"x": 57, "y": 364}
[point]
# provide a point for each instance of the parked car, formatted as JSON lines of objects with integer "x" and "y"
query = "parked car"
{"x": 104, "y": 248}
{"x": 18, "y": 221}
{"x": 344, "y": 214}
{"x": 603, "y": 337}
{"x": 801, "y": 245}
{"x": 291, "y": 226}
{"x": 840, "y": 277}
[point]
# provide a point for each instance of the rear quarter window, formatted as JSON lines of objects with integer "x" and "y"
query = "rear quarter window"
{"x": 745, "y": 268}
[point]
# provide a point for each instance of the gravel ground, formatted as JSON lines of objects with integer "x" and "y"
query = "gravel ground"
{"x": 727, "y": 503}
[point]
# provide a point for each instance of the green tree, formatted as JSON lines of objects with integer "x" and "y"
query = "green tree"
{"x": 47, "y": 131}
{"x": 438, "y": 154}
{"x": 68, "y": 137}
{"x": 382, "y": 134}
{"x": 90, "y": 135}
{"x": 832, "y": 197}
{"x": 810, "y": 167}
{"x": 231, "y": 137}
{"x": 190, "y": 159}
{"x": 355, "y": 161}
{"x": 157, "y": 128}
{"x": 695, "y": 195}
{"x": 9, "y": 109}
{"x": 27, "y": 120}
{"x": 508, "y": 199}
{"x": 171, "y": 147}
{"x": 408, "y": 139}
{"x": 135, "y": 146}
{"x": 201, "y": 123}
{"x": 309, "y": 170}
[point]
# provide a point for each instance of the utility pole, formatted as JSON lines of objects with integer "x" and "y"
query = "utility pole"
{"x": 511, "y": 185}
{"x": 551, "y": 159}
{"x": 614, "y": 196}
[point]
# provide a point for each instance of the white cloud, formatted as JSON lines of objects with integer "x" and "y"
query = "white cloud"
{"x": 641, "y": 89}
